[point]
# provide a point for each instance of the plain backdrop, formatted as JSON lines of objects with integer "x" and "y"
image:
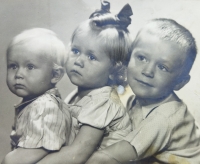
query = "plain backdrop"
{"x": 62, "y": 16}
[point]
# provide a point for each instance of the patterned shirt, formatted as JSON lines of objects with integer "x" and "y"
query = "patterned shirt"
{"x": 42, "y": 122}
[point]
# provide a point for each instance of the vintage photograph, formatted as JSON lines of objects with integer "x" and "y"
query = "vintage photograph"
{"x": 99, "y": 81}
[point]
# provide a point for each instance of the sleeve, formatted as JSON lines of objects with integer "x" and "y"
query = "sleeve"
{"x": 45, "y": 126}
{"x": 99, "y": 112}
{"x": 150, "y": 137}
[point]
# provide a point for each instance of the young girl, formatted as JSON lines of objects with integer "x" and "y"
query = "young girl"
{"x": 35, "y": 61}
{"x": 98, "y": 50}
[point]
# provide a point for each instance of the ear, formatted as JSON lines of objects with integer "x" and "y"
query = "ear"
{"x": 182, "y": 82}
{"x": 57, "y": 74}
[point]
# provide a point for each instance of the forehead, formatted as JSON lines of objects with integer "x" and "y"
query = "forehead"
{"x": 151, "y": 44}
{"x": 88, "y": 40}
{"x": 149, "y": 38}
{"x": 23, "y": 52}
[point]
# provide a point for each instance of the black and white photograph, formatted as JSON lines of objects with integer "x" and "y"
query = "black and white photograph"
{"x": 99, "y": 82}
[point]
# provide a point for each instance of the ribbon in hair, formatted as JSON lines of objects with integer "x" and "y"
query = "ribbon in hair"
{"x": 123, "y": 17}
{"x": 105, "y": 8}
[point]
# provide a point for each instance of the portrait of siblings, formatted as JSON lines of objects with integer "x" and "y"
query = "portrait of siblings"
{"x": 100, "y": 82}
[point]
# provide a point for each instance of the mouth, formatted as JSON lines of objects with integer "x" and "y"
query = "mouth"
{"x": 19, "y": 86}
{"x": 144, "y": 83}
{"x": 75, "y": 71}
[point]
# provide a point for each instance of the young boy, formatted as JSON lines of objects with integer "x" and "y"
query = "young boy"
{"x": 163, "y": 129}
{"x": 35, "y": 63}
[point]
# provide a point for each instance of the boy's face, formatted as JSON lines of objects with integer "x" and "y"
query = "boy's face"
{"x": 88, "y": 66}
{"x": 28, "y": 72}
{"x": 154, "y": 67}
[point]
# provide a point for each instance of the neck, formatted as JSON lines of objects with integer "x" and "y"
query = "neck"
{"x": 149, "y": 101}
{"x": 82, "y": 92}
{"x": 31, "y": 97}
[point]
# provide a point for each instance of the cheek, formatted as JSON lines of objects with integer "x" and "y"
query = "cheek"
{"x": 9, "y": 77}
{"x": 132, "y": 62}
{"x": 131, "y": 68}
{"x": 164, "y": 82}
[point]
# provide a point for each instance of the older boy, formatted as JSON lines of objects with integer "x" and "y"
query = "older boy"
{"x": 164, "y": 130}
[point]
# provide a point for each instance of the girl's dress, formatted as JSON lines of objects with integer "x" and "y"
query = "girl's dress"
{"x": 102, "y": 109}
{"x": 42, "y": 122}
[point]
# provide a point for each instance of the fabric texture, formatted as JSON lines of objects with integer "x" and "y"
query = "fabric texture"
{"x": 42, "y": 122}
{"x": 102, "y": 109}
{"x": 164, "y": 133}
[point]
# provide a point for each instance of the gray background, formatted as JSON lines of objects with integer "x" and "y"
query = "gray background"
{"x": 62, "y": 16}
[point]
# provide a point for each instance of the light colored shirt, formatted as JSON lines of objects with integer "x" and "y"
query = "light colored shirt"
{"x": 102, "y": 109}
{"x": 164, "y": 133}
{"x": 42, "y": 122}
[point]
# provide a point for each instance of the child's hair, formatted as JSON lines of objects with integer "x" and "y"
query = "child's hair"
{"x": 170, "y": 30}
{"x": 113, "y": 33}
{"x": 51, "y": 46}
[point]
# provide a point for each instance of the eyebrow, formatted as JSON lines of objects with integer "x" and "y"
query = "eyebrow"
{"x": 140, "y": 51}
{"x": 75, "y": 46}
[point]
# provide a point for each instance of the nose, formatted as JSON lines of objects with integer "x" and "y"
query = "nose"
{"x": 19, "y": 74}
{"x": 80, "y": 61}
{"x": 148, "y": 70}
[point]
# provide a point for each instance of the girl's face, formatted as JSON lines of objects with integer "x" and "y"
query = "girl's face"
{"x": 88, "y": 66}
{"x": 28, "y": 72}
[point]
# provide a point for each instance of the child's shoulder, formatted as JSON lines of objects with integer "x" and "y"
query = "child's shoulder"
{"x": 171, "y": 108}
{"x": 106, "y": 93}
{"x": 176, "y": 112}
{"x": 46, "y": 98}
{"x": 46, "y": 102}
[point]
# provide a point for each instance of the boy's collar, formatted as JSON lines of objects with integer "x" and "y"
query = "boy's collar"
{"x": 53, "y": 91}
{"x": 147, "y": 109}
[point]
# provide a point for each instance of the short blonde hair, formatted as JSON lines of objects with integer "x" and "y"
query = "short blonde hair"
{"x": 170, "y": 30}
{"x": 50, "y": 44}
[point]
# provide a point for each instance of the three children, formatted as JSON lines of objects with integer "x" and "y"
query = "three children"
{"x": 161, "y": 130}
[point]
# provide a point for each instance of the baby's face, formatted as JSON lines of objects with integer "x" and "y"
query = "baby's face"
{"x": 154, "y": 67}
{"x": 28, "y": 72}
{"x": 88, "y": 66}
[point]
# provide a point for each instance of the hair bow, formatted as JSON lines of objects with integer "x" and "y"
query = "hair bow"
{"x": 105, "y": 8}
{"x": 123, "y": 17}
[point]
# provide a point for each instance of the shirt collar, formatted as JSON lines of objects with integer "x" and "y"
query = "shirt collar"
{"x": 105, "y": 89}
{"x": 53, "y": 91}
{"x": 147, "y": 109}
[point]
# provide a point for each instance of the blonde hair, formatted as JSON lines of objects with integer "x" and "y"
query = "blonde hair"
{"x": 115, "y": 40}
{"x": 51, "y": 45}
{"x": 170, "y": 30}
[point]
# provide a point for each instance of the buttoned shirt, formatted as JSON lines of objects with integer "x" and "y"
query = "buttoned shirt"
{"x": 164, "y": 132}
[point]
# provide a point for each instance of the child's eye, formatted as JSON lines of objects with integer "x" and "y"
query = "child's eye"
{"x": 30, "y": 67}
{"x": 142, "y": 58}
{"x": 91, "y": 57}
{"x": 163, "y": 68}
{"x": 75, "y": 51}
{"x": 12, "y": 66}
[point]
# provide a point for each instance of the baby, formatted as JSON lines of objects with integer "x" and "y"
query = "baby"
{"x": 164, "y": 131}
{"x": 35, "y": 63}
